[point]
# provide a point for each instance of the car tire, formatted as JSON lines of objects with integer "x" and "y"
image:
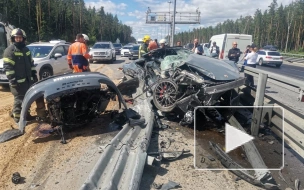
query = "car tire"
{"x": 45, "y": 72}
{"x": 115, "y": 58}
{"x": 90, "y": 61}
{"x": 261, "y": 62}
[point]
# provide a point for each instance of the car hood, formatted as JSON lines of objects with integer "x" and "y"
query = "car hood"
{"x": 213, "y": 68}
{"x": 1, "y": 63}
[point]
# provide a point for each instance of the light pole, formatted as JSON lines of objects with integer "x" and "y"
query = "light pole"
{"x": 169, "y": 31}
{"x": 173, "y": 24}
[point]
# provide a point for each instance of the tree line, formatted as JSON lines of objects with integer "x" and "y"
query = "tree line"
{"x": 44, "y": 20}
{"x": 281, "y": 26}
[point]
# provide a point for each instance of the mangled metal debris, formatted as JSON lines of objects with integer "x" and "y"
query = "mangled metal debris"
{"x": 179, "y": 80}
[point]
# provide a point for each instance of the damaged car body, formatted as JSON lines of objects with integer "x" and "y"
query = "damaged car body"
{"x": 73, "y": 100}
{"x": 180, "y": 80}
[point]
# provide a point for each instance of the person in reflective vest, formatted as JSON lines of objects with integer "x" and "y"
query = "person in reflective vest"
{"x": 78, "y": 55}
{"x": 143, "y": 48}
{"x": 21, "y": 72}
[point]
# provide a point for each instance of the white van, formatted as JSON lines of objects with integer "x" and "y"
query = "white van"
{"x": 224, "y": 42}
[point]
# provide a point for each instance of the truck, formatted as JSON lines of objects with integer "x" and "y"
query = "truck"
{"x": 224, "y": 41}
{"x": 139, "y": 41}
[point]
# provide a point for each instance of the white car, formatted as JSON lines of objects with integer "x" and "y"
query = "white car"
{"x": 270, "y": 58}
{"x": 103, "y": 51}
{"x": 125, "y": 51}
{"x": 50, "y": 58}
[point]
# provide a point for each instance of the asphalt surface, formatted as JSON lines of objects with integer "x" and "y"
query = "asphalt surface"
{"x": 294, "y": 70}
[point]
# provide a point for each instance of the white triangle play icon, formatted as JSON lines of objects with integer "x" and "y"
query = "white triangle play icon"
{"x": 235, "y": 137}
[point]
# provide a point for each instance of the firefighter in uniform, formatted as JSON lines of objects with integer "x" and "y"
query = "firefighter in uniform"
{"x": 78, "y": 55}
{"x": 21, "y": 72}
{"x": 143, "y": 48}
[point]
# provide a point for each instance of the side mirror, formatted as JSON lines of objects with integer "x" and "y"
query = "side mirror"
{"x": 57, "y": 55}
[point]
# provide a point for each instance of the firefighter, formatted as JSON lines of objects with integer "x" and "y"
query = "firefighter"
{"x": 143, "y": 48}
{"x": 78, "y": 55}
{"x": 21, "y": 72}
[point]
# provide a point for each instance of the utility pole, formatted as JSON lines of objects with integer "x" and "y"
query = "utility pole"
{"x": 173, "y": 25}
{"x": 169, "y": 26}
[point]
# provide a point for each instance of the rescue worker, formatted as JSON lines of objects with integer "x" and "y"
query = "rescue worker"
{"x": 21, "y": 72}
{"x": 152, "y": 45}
{"x": 162, "y": 43}
{"x": 143, "y": 48}
{"x": 78, "y": 55}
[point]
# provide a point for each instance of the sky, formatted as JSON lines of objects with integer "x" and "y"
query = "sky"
{"x": 133, "y": 12}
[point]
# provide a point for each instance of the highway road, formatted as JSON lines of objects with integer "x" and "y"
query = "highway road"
{"x": 294, "y": 70}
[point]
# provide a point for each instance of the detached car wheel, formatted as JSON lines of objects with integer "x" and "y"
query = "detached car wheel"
{"x": 45, "y": 72}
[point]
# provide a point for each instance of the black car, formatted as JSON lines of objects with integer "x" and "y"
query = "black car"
{"x": 134, "y": 52}
{"x": 117, "y": 47}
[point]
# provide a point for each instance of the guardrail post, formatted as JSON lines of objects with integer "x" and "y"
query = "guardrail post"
{"x": 259, "y": 101}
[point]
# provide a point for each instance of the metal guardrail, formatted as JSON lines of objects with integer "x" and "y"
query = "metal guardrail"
{"x": 122, "y": 162}
{"x": 297, "y": 58}
{"x": 293, "y": 123}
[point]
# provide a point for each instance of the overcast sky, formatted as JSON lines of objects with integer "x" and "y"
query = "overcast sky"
{"x": 133, "y": 12}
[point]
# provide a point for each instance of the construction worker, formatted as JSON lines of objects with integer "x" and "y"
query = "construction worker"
{"x": 143, "y": 48}
{"x": 78, "y": 55}
{"x": 21, "y": 72}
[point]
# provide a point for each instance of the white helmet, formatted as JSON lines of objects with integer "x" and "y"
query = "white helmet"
{"x": 163, "y": 41}
{"x": 86, "y": 38}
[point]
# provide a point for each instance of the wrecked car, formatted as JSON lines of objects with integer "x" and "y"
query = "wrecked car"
{"x": 72, "y": 100}
{"x": 179, "y": 80}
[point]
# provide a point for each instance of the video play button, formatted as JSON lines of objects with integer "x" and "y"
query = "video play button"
{"x": 235, "y": 137}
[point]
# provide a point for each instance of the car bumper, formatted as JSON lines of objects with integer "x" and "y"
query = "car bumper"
{"x": 125, "y": 54}
{"x": 273, "y": 62}
{"x": 101, "y": 58}
{"x": 131, "y": 56}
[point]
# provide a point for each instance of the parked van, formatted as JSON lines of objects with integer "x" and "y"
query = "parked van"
{"x": 224, "y": 42}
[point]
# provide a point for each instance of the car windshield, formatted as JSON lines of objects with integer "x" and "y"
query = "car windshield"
{"x": 135, "y": 47}
{"x": 176, "y": 60}
{"x": 127, "y": 47}
{"x": 117, "y": 45}
{"x": 101, "y": 46}
{"x": 40, "y": 51}
{"x": 274, "y": 53}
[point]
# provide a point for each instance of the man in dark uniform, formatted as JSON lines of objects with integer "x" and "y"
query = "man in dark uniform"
{"x": 21, "y": 73}
{"x": 234, "y": 53}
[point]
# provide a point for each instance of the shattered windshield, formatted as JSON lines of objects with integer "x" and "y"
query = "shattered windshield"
{"x": 175, "y": 61}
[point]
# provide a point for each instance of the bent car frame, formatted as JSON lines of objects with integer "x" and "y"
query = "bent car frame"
{"x": 180, "y": 80}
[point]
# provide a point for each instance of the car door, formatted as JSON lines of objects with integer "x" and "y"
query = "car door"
{"x": 59, "y": 63}
{"x": 66, "y": 66}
